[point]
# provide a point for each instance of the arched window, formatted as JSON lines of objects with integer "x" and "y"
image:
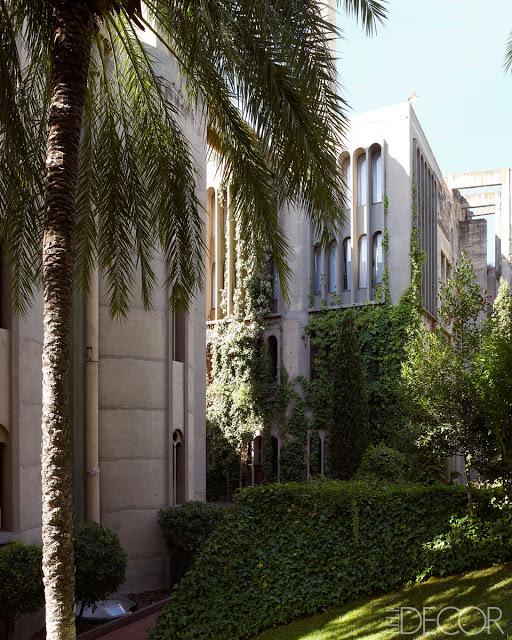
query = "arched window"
{"x": 378, "y": 258}
{"x": 363, "y": 262}
{"x": 377, "y": 177}
{"x": 362, "y": 179}
{"x": 347, "y": 264}
{"x": 178, "y": 467}
{"x": 332, "y": 267}
{"x": 347, "y": 181}
{"x": 213, "y": 283}
{"x": 318, "y": 270}
{"x": 273, "y": 357}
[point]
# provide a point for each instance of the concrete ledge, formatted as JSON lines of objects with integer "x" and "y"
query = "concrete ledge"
{"x": 103, "y": 629}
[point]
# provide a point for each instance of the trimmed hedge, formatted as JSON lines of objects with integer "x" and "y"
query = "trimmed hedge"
{"x": 100, "y": 563}
{"x": 21, "y": 583}
{"x": 289, "y": 550}
{"x": 382, "y": 463}
{"x": 471, "y": 542}
{"x": 186, "y": 529}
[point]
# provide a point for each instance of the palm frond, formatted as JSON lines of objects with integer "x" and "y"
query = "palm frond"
{"x": 508, "y": 54}
{"x": 371, "y": 13}
{"x": 24, "y": 73}
{"x": 137, "y": 176}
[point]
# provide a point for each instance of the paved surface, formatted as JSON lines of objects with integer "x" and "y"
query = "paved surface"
{"x": 137, "y": 630}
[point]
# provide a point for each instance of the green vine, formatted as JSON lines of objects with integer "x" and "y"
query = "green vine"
{"x": 243, "y": 399}
{"x": 241, "y": 395}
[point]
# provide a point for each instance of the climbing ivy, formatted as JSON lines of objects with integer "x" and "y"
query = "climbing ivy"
{"x": 241, "y": 395}
{"x": 242, "y": 399}
{"x": 383, "y": 332}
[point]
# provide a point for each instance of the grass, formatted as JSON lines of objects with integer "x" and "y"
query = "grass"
{"x": 372, "y": 618}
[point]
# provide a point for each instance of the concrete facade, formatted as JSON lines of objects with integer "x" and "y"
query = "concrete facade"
{"x": 149, "y": 406}
{"x": 393, "y": 182}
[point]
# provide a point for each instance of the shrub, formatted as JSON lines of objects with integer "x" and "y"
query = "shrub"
{"x": 21, "y": 582}
{"x": 186, "y": 529}
{"x": 288, "y": 550}
{"x": 100, "y": 563}
{"x": 382, "y": 463}
{"x": 349, "y": 435}
{"x": 471, "y": 542}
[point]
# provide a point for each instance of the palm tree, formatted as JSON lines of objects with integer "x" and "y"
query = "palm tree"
{"x": 96, "y": 170}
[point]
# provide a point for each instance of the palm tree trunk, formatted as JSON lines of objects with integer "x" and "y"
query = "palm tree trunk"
{"x": 71, "y": 44}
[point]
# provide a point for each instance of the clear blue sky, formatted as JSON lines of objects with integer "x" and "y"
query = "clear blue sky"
{"x": 450, "y": 53}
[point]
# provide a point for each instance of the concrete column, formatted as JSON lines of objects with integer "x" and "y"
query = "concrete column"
{"x": 92, "y": 483}
{"x": 367, "y": 226}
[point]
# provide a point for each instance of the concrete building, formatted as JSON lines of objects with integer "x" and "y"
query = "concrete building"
{"x": 486, "y": 196}
{"x": 393, "y": 183}
{"x": 138, "y": 402}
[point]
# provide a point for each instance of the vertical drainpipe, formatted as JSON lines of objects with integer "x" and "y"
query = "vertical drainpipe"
{"x": 92, "y": 482}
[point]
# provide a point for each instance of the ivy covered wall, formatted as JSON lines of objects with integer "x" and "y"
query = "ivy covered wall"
{"x": 244, "y": 399}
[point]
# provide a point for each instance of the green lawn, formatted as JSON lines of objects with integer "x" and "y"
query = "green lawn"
{"x": 366, "y": 619}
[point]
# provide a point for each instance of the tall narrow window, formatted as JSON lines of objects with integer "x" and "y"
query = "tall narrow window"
{"x": 378, "y": 258}
{"x": 3, "y": 450}
{"x": 363, "y": 262}
{"x": 178, "y": 336}
{"x": 178, "y": 467}
{"x": 362, "y": 179}
{"x": 332, "y": 266}
{"x": 317, "y": 270}
{"x": 275, "y": 289}
{"x": 214, "y": 286}
{"x": 347, "y": 264}
{"x": 377, "y": 177}
{"x": 273, "y": 358}
{"x": 3, "y": 294}
{"x": 347, "y": 182}
{"x": 275, "y": 458}
{"x": 225, "y": 241}
{"x": 257, "y": 460}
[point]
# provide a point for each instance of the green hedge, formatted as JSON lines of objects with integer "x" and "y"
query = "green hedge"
{"x": 186, "y": 529}
{"x": 289, "y": 550}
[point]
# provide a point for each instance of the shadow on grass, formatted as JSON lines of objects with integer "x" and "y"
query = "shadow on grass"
{"x": 374, "y": 617}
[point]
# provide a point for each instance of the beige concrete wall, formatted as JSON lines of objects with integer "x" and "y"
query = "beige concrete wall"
{"x": 132, "y": 432}
{"x": 30, "y": 348}
{"x": 5, "y": 383}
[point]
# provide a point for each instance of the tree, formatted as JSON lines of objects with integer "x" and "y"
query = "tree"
{"x": 494, "y": 383}
{"x": 349, "y": 435}
{"x": 438, "y": 376}
{"x": 95, "y": 168}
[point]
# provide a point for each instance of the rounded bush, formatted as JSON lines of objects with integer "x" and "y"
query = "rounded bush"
{"x": 21, "y": 579}
{"x": 100, "y": 563}
{"x": 186, "y": 529}
{"x": 382, "y": 463}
